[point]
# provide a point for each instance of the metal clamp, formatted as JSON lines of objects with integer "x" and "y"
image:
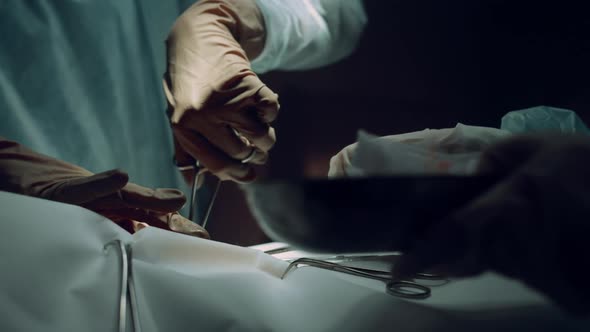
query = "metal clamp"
{"x": 127, "y": 286}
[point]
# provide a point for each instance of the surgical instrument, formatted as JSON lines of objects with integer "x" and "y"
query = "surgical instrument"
{"x": 197, "y": 179}
{"x": 409, "y": 289}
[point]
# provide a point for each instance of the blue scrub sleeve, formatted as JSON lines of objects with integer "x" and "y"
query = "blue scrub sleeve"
{"x": 306, "y": 34}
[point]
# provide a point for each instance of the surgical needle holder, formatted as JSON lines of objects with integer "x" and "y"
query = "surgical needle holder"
{"x": 198, "y": 178}
{"x": 406, "y": 288}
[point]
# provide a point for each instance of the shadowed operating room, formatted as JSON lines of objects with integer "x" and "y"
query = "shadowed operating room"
{"x": 295, "y": 165}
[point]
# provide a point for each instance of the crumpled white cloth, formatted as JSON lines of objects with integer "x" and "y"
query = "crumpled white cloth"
{"x": 58, "y": 276}
{"x": 430, "y": 151}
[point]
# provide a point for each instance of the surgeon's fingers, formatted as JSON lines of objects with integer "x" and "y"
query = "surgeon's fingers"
{"x": 212, "y": 158}
{"x": 184, "y": 162}
{"x": 259, "y": 157}
{"x": 138, "y": 225}
{"x": 264, "y": 140}
{"x": 255, "y": 156}
{"x": 86, "y": 189}
{"x": 267, "y": 104}
{"x": 227, "y": 140}
{"x": 227, "y": 135}
{"x": 160, "y": 199}
{"x": 259, "y": 134}
{"x": 253, "y": 122}
{"x": 134, "y": 220}
{"x": 125, "y": 216}
{"x": 132, "y": 196}
{"x": 132, "y": 226}
{"x": 180, "y": 224}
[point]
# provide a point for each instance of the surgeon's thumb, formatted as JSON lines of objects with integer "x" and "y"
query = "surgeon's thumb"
{"x": 267, "y": 104}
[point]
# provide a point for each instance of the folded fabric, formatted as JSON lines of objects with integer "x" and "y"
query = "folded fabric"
{"x": 73, "y": 282}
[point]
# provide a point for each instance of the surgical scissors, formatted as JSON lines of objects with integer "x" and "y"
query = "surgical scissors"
{"x": 409, "y": 289}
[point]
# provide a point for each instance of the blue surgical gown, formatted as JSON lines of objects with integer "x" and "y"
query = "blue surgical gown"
{"x": 81, "y": 81}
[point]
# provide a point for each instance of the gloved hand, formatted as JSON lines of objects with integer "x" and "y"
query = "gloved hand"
{"x": 219, "y": 109}
{"x": 532, "y": 226}
{"x": 25, "y": 172}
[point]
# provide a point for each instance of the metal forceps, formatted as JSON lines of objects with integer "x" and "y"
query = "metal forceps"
{"x": 199, "y": 177}
{"x": 409, "y": 289}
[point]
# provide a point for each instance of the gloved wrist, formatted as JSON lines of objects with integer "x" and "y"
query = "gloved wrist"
{"x": 250, "y": 31}
{"x": 242, "y": 20}
{"x": 205, "y": 55}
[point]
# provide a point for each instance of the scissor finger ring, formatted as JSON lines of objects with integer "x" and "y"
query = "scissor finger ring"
{"x": 402, "y": 288}
{"x": 250, "y": 156}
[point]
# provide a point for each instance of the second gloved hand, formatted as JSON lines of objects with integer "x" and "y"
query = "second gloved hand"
{"x": 219, "y": 109}
{"x": 26, "y": 172}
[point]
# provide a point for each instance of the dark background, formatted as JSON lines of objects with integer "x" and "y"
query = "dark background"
{"x": 422, "y": 64}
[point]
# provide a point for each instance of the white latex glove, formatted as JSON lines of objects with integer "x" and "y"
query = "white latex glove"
{"x": 219, "y": 109}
